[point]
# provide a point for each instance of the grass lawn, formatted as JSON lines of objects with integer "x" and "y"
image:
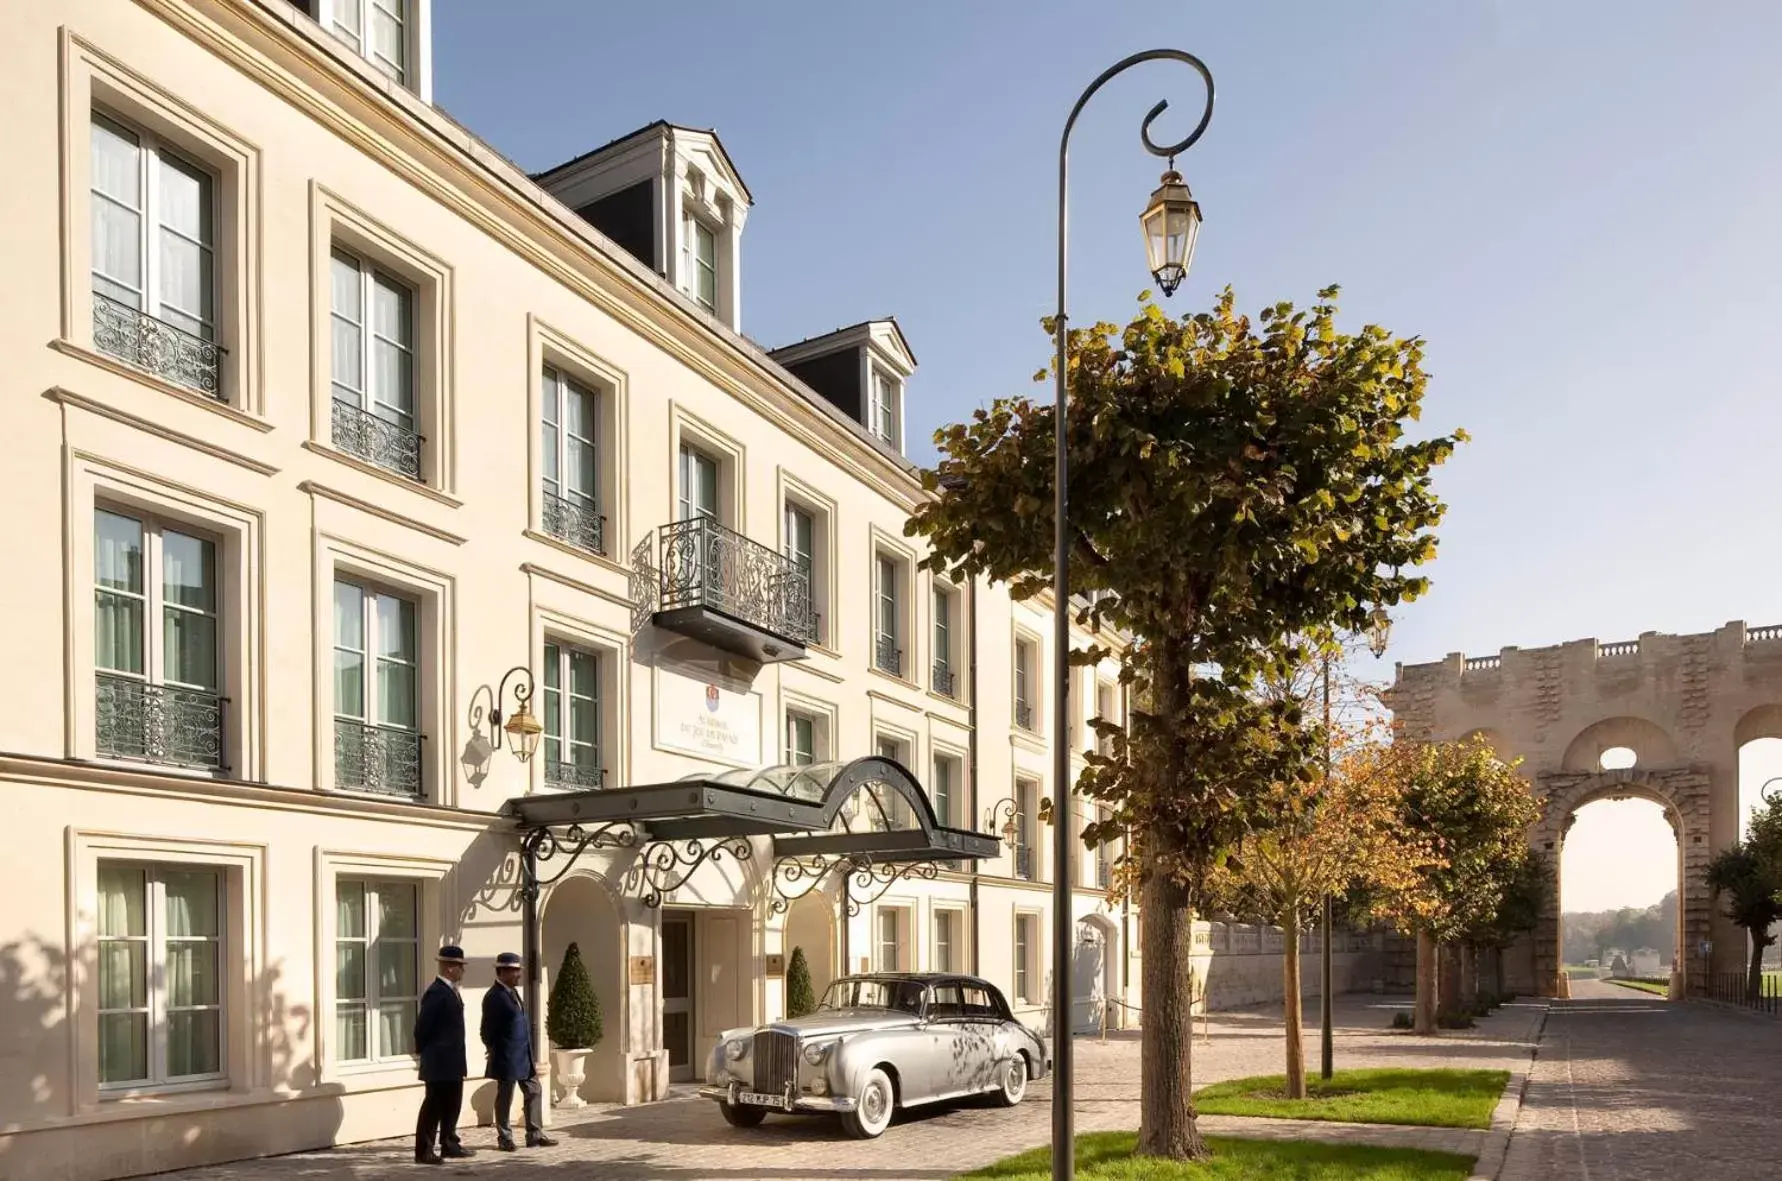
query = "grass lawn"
{"x": 1645, "y": 986}
{"x": 1425, "y": 1098}
{"x": 1107, "y": 1156}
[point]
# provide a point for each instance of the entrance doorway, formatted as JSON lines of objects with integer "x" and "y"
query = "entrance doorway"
{"x": 677, "y": 994}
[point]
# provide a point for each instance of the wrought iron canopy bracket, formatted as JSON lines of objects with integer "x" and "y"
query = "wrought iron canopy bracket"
{"x": 543, "y": 844}
{"x": 864, "y": 881}
{"x": 662, "y": 867}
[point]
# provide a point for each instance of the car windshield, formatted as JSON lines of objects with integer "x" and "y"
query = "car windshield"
{"x": 903, "y": 995}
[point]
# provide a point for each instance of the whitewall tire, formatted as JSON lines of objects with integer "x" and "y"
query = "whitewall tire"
{"x": 873, "y": 1106}
{"x": 1013, "y": 1086}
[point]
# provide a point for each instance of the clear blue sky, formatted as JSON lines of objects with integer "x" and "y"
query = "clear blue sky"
{"x": 1576, "y": 205}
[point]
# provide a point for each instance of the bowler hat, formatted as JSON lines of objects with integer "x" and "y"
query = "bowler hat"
{"x": 451, "y": 953}
{"x": 507, "y": 959}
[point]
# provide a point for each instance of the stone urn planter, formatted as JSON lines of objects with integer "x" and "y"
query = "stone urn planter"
{"x": 570, "y": 1070}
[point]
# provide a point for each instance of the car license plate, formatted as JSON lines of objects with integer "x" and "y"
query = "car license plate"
{"x": 757, "y": 1099}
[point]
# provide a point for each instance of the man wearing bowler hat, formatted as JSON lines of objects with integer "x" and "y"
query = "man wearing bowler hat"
{"x": 507, "y": 1035}
{"x": 439, "y": 1043}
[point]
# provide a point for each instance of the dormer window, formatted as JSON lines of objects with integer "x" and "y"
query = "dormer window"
{"x": 699, "y": 261}
{"x": 884, "y": 413}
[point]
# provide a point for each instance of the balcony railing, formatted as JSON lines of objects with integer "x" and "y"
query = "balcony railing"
{"x": 578, "y": 776}
{"x": 159, "y": 723}
{"x": 378, "y": 759}
{"x": 578, "y": 524}
{"x": 1104, "y": 873}
{"x": 1024, "y": 715}
{"x": 140, "y": 339}
{"x": 945, "y": 682}
{"x": 887, "y": 656}
{"x": 715, "y": 585}
{"x": 376, "y": 440}
{"x": 1024, "y": 862}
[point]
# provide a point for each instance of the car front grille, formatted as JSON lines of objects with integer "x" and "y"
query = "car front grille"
{"x": 776, "y": 1061}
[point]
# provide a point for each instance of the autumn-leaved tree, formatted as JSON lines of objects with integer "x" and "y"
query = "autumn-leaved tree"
{"x": 1233, "y": 483}
{"x": 1474, "y": 809}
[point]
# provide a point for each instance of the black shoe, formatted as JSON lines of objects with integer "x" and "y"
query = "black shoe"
{"x": 429, "y": 1157}
{"x": 506, "y": 1146}
{"x": 457, "y": 1152}
{"x": 540, "y": 1142}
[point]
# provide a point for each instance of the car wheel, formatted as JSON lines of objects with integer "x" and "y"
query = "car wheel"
{"x": 872, "y": 1107}
{"x": 1014, "y": 1082}
{"x": 739, "y": 1116}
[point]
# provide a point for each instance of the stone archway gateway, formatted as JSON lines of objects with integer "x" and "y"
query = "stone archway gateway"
{"x": 1682, "y": 704}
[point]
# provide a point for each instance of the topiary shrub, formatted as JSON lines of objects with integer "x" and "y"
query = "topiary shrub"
{"x": 801, "y": 998}
{"x": 574, "y": 1020}
{"x": 1403, "y": 1020}
{"x": 1453, "y": 1019}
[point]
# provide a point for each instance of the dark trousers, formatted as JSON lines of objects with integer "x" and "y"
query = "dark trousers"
{"x": 439, "y": 1115}
{"x": 529, "y": 1103}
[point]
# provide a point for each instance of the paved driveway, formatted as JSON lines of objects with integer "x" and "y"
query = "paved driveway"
{"x": 683, "y": 1139}
{"x": 1629, "y": 1087}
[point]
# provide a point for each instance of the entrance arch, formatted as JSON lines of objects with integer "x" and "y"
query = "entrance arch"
{"x": 1675, "y": 707}
{"x": 579, "y": 909}
{"x": 1094, "y": 977}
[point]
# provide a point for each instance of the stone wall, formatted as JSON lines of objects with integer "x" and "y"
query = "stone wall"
{"x": 1238, "y": 964}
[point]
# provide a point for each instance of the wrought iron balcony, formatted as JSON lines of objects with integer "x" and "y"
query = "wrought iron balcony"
{"x": 379, "y": 759}
{"x": 146, "y": 342}
{"x": 577, "y": 776}
{"x": 578, "y": 524}
{"x": 945, "y": 682}
{"x": 1024, "y": 862}
{"x": 159, "y": 723}
{"x": 1104, "y": 873}
{"x": 715, "y": 585}
{"x": 1024, "y": 715}
{"x": 375, "y": 440}
{"x": 887, "y": 656}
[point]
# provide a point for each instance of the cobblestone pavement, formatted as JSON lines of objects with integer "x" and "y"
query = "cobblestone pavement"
{"x": 682, "y": 1139}
{"x": 1628, "y": 1087}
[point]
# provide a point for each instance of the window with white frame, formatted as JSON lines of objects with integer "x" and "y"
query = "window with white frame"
{"x": 697, "y": 496}
{"x": 882, "y": 407}
{"x": 572, "y": 716}
{"x": 946, "y": 940}
{"x": 156, "y": 657}
{"x": 1026, "y": 819}
{"x": 1104, "y": 853}
{"x": 946, "y": 680}
{"x": 154, "y": 257}
{"x": 888, "y": 615}
{"x": 161, "y": 969}
{"x": 1026, "y": 680}
{"x": 893, "y": 810}
{"x": 699, "y": 261}
{"x": 945, "y": 787}
{"x": 372, "y": 370}
{"x": 893, "y": 936}
{"x": 377, "y": 691}
{"x": 801, "y": 738}
{"x": 378, "y": 30}
{"x": 801, "y": 549}
{"x": 377, "y": 956}
{"x": 570, "y": 442}
{"x": 1026, "y": 953}
{"x": 1105, "y": 710}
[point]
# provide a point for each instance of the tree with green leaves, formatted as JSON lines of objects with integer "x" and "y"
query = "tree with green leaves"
{"x": 573, "y": 1022}
{"x": 1234, "y": 484}
{"x": 1528, "y": 886}
{"x": 1741, "y": 872}
{"x": 1474, "y": 810}
{"x": 801, "y": 998}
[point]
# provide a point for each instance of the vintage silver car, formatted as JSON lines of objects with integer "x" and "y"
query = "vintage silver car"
{"x": 877, "y": 1043}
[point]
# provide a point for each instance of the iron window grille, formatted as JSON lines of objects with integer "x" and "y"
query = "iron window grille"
{"x": 166, "y": 724}
{"x": 887, "y": 656}
{"x": 707, "y": 565}
{"x": 574, "y": 775}
{"x": 1024, "y": 715}
{"x": 139, "y": 339}
{"x": 575, "y": 522}
{"x": 377, "y": 440}
{"x": 379, "y": 759}
{"x": 1024, "y": 862}
{"x": 944, "y": 680}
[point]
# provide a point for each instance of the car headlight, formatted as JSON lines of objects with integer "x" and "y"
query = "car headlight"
{"x": 816, "y": 1052}
{"x": 736, "y": 1048}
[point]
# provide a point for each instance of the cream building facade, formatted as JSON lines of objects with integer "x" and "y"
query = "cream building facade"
{"x": 320, "y": 416}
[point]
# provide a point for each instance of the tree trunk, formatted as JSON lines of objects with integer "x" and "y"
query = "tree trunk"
{"x": 1293, "y": 1007}
{"x": 1423, "y": 1012}
{"x": 1469, "y": 976}
{"x": 1754, "y": 977}
{"x": 1166, "y": 1068}
{"x": 1447, "y": 979}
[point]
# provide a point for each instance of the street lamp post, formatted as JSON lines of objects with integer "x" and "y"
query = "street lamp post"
{"x": 1171, "y": 223}
{"x": 1379, "y": 632}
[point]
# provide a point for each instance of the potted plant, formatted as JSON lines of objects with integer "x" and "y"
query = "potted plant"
{"x": 801, "y": 999}
{"x": 573, "y": 1025}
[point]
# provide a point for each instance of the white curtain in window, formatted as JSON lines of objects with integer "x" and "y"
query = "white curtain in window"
{"x": 117, "y": 214}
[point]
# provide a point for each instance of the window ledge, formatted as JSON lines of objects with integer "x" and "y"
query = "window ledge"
{"x": 124, "y": 369}
{"x": 876, "y": 671}
{"x": 1027, "y": 740}
{"x": 384, "y": 474}
{"x": 172, "y": 770}
{"x": 957, "y": 700}
{"x": 576, "y": 551}
{"x": 353, "y": 793}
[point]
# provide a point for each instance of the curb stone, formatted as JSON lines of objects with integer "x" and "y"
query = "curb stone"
{"x": 1509, "y": 1108}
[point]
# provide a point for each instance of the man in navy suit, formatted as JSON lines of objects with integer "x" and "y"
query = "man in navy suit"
{"x": 507, "y": 1035}
{"x": 439, "y": 1044}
